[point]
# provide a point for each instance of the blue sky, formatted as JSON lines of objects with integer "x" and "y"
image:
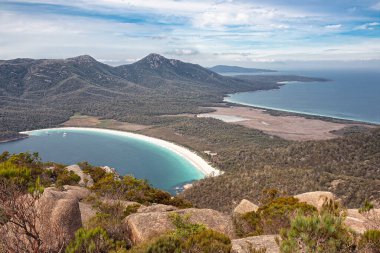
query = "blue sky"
{"x": 208, "y": 32}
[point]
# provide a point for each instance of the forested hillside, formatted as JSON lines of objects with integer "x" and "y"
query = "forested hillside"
{"x": 45, "y": 93}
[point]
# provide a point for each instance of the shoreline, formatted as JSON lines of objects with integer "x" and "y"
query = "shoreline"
{"x": 278, "y": 112}
{"x": 14, "y": 139}
{"x": 198, "y": 162}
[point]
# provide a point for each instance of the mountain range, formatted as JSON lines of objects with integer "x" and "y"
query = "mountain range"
{"x": 46, "y": 92}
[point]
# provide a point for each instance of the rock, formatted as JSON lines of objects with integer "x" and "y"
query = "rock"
{"x": 112, "y": 171}
{"x": 244, "y": 207}
{"x": 156, "y": 208}
{"x": 85, "y": 179}
{"x": 76, "y": 192}
{"x": 246, "y": 245}
{"x": 316, "y": 198}
{"x": 122, "y": 202}
{"x": 359, "y": 223}
{"x": 145, "y": 226}
{"x": 86, "y": 212}
{"x": 59, "y": 217}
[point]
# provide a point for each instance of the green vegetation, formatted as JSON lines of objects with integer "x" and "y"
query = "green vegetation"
{"x": 187, "y": 238}
{"x": 318, "y": 233}
{"x": 275, "y": 213}
{"x": 109, "y": 216}
{"x": 370, "y": 241}
{"x": 91, "y": 241}
{"x": 132, "y": 189}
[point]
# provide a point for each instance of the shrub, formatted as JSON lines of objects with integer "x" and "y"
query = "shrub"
{"x": 187, "y": 238}
{"x": 275, "y": 214}
{"x": 110, "y": 216}
{"x": 207, "y": 241}
{"x": 96, "y": 173}
{"x": 132, "y": 189}
{"x": 317, "y": 233}
{"x": 370, "y": 241}
{"x": 66, "y": 177}
{"x": 91, "y": 241}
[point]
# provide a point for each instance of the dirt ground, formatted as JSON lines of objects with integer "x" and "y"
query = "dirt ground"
{"x": 89, "y": 121}
{"x": 288, "y": 127}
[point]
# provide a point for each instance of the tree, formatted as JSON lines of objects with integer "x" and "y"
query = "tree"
{"x": 18, "y": 219}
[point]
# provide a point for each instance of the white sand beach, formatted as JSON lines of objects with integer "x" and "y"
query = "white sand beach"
{"x": 198, "y": 162}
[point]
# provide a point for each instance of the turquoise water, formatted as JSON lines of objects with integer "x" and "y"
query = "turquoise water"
{"x": 350, "y": 94}
{"x": 161, "y": 167}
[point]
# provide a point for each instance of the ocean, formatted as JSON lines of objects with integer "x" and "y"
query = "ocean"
{"x": 352, "y": 94}
{"x": 162, "y": 167}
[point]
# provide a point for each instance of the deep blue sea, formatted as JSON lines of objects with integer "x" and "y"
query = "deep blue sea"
{"x": 160, "y": 166}
{"x": 350, "y": 94}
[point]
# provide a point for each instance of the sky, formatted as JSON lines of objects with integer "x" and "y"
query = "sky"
{"x": 207, "y": 32}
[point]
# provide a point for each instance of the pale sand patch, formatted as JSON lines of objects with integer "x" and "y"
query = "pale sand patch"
{"x": 287, "y": 127}
{"x": 89, "y": 121}
{"x": 187, "y": 154}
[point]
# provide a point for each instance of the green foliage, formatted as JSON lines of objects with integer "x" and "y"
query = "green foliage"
{"x": 370, "y": 241}
{"x": 18, "y": 174}
{"x": 131, "y": 209}
{"x": 96, "y": 173}
{"x": 37, "y": 189}
{"x": 367, "y": 206}
{"x": 187, "y": 238}
{"x": 65, "y": 177}
{"x": 275, "y": 214}
{"x": 91, "y": 241}
{"x": 132, "y": 189}
{"x": 109, "y": 216}
{"x": 318, "y": 233}
{"x": 347, "y": 166}
{"x": 165, "y": 244}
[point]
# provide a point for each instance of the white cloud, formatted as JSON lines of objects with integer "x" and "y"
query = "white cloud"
{"x": 333, "y": 27}
{"x": 368, "y": 26}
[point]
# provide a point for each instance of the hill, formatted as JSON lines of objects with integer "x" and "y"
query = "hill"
{"x": 45, "y": 93}
{"x": 238, "y": 70}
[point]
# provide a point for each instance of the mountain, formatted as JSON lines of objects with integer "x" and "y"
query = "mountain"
{"x": 46, "y": 92}
{"x": 238, "y": 70}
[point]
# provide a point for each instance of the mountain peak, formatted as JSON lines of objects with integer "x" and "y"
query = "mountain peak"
{"x": 82, "y": 59}
{"x": 155, "y": 61}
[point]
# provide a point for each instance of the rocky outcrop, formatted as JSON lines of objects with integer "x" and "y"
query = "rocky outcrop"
{"x": 124, "y": 203}
{"x": 244, "y": 207}
{"x": 77, "y": 192}
{"x": 156, "y": 208}
{"x": 316, "y": 198}
{"x": 360, "y": 223}
{"x": 145, "y": 226}
{"x": 85, "y": 179}
{"x": 86, "y": 212}
{"x": 247, "y": 245}
{"x": 59, "y": 216}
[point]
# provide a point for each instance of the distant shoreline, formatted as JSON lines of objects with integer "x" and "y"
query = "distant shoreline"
{"x": 14, "y": 139}
{"x": 283, "y": 112}
{"x": 199, "y": 163}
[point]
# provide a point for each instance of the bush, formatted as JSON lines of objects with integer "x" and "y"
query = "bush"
{"x": 66, "y": 177}
{"x": 370, "y": 241}
{"x": 96, "y": 173}
{"x": 110, "y": 216}
{"x": 317, "y": 233}
{"x": 187, "y": 238}
{"x": 132, "y": 189}
{"x": 91, "y": 241}
{"x": 275, "y": 214}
